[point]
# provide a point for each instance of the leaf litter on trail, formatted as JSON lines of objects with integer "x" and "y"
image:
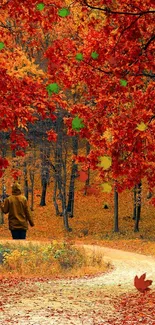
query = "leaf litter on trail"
{"x": 136, "y": 308}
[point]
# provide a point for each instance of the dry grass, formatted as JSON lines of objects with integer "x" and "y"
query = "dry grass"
{"x": 49, "y": 260}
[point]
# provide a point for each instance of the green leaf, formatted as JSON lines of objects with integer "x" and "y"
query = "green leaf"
{"x": 94, "y": 55}
{"x": 1, "y": 45}
{"x": 52, "y": 88}
{"x": 40, "y": 6}
{"x": 123, "y": 82}
{"x": 64, "y": 12}
{"x": 77, "y": 124}
{"x": 79, "y": 56}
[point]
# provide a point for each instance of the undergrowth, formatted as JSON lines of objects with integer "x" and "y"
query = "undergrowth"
{"x": 54, "y": 259}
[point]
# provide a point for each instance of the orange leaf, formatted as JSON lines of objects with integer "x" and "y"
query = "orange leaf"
{"x": 83, "y": 176}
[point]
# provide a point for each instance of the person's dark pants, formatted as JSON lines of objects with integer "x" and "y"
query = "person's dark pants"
{"x": 18, "y": 234}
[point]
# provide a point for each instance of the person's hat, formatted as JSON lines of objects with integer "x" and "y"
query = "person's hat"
{"x": 16, "y": 188}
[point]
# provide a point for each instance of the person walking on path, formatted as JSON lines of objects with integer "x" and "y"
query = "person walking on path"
{"x": 19, "y": 215}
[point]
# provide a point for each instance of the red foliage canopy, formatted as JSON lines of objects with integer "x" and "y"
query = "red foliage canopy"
{"x": 110, "y": 58}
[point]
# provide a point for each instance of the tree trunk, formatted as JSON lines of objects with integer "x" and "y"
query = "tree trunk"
{"x": 64, "y": 210}
{"x": 70, "y": 205}
{"x": 74, "y": 170}
{"x": 134, "y": 202}
{"x": 26, "y": 189}
{"x": 61, "y": 166}
{"x": 3, "y": 197}
{"x": 65, "y": 218}
{"x": 4, "y": 143}
{"x": 45, "y": 164}
{"x": 88, "y": 179}
{"x": 32, "y": 189}
{"x": 58, "y": 163}
{"x": 138, "y": 211}
{"x": 1, "y": 217}
{"x": 43, "y": 194}
{"x": 64, "y": 182}
{"x": 3, "y": 153}
{"x": 54, "y": 198}
{"x": 116, "y": 229}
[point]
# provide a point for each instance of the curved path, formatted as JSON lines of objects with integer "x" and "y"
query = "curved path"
{"x": 77, "y": 301}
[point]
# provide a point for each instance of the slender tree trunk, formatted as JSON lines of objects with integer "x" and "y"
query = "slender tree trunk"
{"x": 2, "y": 199}
{"x": 58, "y": 164}
{"x": 43, "y": 193}
{"x": 64, "y": 205}
{"x": 74, "y": 170}
{"x": 61, "y": 166}
{"x": 1, "y": 217}
{"x": 26, "y": 189}
{"x": 88, "y": 179}
{"x": 54, "y": 198}
{"x": 70, "y": 205}
{"x": 65, "y": 216}
{"x": 134, "y": 202}
{"x": 138, "y": 212}
{"x": 64, "y": 196}
{"x": 45, "y": 156}
{"x": 116, "y": 229}
{"x": 4, "y": 144}
{"x": 3, "y": 196}
{"x": 32, "y": 189}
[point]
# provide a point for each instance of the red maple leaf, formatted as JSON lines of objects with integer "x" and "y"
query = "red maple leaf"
{"x": 141, "y": 284}
{"x": 83, "y": 176}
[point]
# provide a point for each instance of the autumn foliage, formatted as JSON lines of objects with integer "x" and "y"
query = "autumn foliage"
{"x": 103, "y": 53}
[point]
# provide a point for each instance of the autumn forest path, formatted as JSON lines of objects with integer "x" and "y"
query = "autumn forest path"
{"x": 85, "y": 301}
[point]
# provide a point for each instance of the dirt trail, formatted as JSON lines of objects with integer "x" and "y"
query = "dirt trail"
{"x": 77, "y": 301}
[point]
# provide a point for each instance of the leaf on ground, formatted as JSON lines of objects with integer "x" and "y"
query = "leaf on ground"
{"x": 141, "y": 284}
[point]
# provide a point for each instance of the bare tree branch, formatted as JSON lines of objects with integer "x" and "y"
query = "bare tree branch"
{"x": 149, "y": 42}
{"x": 109, "y": 11}
{"x": 124, "y": 30}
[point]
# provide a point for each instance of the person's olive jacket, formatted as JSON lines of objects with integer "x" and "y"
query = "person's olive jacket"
{"x": 17, "y": 208}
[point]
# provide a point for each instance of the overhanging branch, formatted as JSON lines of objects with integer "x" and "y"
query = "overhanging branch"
{"x": 112, "y": 12}
{"x": 149, "y": 42}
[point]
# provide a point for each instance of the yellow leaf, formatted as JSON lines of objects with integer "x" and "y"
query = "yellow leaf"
{"x": 107, "y": 135}
{"x": 141, "y": 127}
{"x": 107, "y": 188}
{"x": 106, "y": 162}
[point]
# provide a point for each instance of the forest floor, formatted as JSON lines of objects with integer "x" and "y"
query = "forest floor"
{"x": 92, "y": 224}
{"x": 108, "y": 298}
